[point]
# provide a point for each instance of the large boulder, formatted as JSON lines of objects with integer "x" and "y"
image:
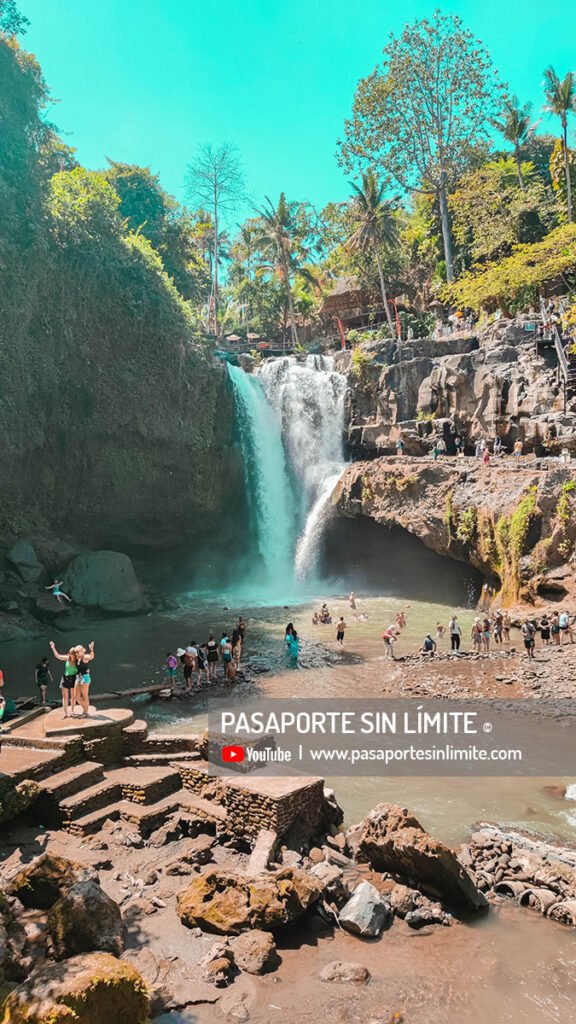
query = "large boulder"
{"x": 25, "y": 560}
{"x": 92, "y": 989}
{"x": 105, "y": 580}
{"x": 392, "y": 839}
{"x": 40, "y": 884}
{"x": 225, "y": 903}
{"x": 84, "y": 920}
{"x": 366, "y": 912}
{"x": 16, "y": 798}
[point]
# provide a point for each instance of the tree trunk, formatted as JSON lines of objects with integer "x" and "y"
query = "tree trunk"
{"x": 519, "y": 166}
{"x": 290, "y": 300}
{"x": 216, "y": 262}
{"x": 567, "y": 169}
{"x": 446, "y": 237}
{"x": 384, "y": 295}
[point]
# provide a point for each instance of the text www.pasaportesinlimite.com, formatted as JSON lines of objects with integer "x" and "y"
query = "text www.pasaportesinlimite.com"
{"x": 411, "y": 753}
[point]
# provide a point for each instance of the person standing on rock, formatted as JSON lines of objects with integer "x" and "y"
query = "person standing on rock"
{"x": 190, "y": 659}
{"x": 506, "y": 626}
{"x": 84, "y": 678}
{"x": 352, "y": 600}
{"x": 555, "y": 628}
{"x": 202, "y": 663}
{"x": 68, "y": 680}
{"x": 565, "y": 626}
{"x": 236, "y": 647}
{"x": 212, "y": 652}
{"x": 400, "y": 446}
{"x": 43, "y": 676}
{"x": 528, "y": 633}
{"x": 498, "y": 626}
{"x": 544, "y": 627}
{"x": 340, "y": 629}
{"x": 486, "y": 634}
{"x": 455, "y": 631}
{"x": 171, "y": 668}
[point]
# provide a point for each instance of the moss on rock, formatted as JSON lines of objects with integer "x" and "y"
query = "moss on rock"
{"x": 92, "y": 989}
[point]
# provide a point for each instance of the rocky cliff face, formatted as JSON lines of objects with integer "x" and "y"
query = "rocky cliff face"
{"x": 112, "y": 434}
{"x": 481, "y": 386}
{"x": 517, "y": 524}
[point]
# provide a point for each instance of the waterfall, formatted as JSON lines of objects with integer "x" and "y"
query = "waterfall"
{"x": 267, "y": 481}
{"x": 291, "y": 421}
{"x": 309, "y": 398}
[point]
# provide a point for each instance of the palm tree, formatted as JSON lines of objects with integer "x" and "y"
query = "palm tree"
{"x": 280, "y": 233}
{"x": 377, "y": 228}
{"x": 515, "y": 127}
{"x": 561, "y": 100}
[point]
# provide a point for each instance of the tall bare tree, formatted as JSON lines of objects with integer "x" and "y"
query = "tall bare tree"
{"x": 420, "y": 116}
{"x": 215, "y": 180}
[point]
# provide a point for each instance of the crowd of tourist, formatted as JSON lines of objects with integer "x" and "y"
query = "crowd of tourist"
{"x": 554, "y": 628}
{"x": 198, "y": 663}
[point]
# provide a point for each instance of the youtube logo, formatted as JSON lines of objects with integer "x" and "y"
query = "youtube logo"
{"x": 232, "y": 755}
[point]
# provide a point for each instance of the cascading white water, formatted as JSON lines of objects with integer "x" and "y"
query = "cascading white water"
{"x": 309, "y": 397}
{"x": 267, "y": 480}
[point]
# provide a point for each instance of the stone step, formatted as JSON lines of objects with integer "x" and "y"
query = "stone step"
{"x": 146, "y": 817}
{"x": 96, "y": 797}
{"x": 71, "y": 780}
{"x": 137, "y": 728}
{"x": 165, "y": 743}
{"x": 146, "y": 785}
{"x": 161, "y": 759}
{"x": 88, "y": 824}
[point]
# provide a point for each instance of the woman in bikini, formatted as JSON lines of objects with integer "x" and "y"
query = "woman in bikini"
{"x": 83, "y": 679}
{"x": 68, "y": 680}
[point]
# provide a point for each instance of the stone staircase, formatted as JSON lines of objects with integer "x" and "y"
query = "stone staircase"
{"x": 80, "y": 799}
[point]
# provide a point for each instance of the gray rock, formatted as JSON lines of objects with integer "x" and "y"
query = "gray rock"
{"x": 366, "y": 912}
{"x": 105, "y": 580}
{"x": 85, "y": 920}
{"x": 255, "y": 952}
{"x": 342, "y": 971}
{"x": 23, "y": 556}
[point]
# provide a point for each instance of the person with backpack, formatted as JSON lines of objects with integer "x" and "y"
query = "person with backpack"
{"x": 528, "y": 631}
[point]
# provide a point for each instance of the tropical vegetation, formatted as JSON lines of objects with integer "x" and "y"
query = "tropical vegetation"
{"x": 454, "y": 195}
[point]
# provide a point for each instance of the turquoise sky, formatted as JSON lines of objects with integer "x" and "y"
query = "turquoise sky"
{"x": 144, "y": 81}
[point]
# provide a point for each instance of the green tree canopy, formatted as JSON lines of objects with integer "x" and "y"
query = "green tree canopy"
{"x": 498, "y": 206}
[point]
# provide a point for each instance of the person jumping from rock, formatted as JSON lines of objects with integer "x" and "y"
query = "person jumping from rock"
{"x": 57, "y": 593}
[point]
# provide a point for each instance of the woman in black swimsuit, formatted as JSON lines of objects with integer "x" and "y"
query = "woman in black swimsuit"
{"x": 212, "y": 652}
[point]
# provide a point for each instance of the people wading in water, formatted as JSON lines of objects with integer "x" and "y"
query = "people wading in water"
{"x": 84, "y": 678}
{"x": 352, "y": 600}
{"x": 212, "y": 653}
{"x": 340, "y": 630}
{"x": 68, "y": 680}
